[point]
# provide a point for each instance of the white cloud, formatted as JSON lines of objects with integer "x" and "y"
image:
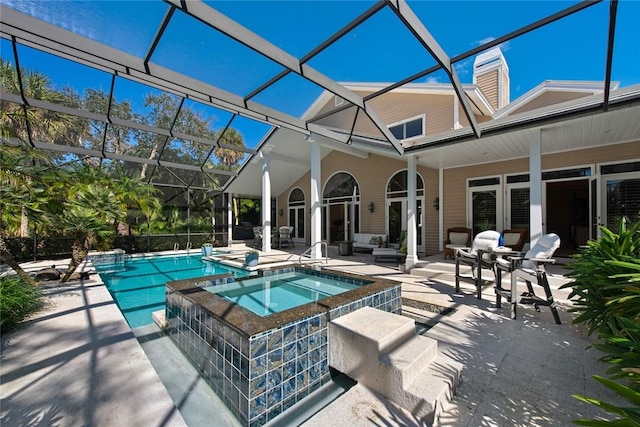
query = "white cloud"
{"x": 503, "y": 46}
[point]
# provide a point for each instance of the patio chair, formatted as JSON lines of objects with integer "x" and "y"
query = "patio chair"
{"x": 477, "y": 257}
{"x": 530, "y": 268}
{"x": 515, "y": 238}
{"x": 286, "y": 238}
{"x": 456, "y": 237}
{"x": 257, "y": 237}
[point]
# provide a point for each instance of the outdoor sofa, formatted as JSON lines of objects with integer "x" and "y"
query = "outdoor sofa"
{"x": 367, "y": 242}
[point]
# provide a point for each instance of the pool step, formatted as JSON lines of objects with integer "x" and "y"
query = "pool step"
{"x": 159, "y": 319}
{"x": 381, "y": 351}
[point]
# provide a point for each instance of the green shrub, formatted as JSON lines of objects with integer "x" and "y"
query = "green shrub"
{"x": 606, "y": 275}
{"x": 18, "y": 299}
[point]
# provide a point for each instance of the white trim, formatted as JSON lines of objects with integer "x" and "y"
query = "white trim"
{"x": 617, "y": 162}
{"x": 338, "y": 101}
{"x": 422, "y": 116}
{"x": 571, "y": 86}
{"x": 489, "y": 187}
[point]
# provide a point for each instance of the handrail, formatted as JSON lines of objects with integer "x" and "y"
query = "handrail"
{"x": 308, "y": 251}
{"x": 176, "y": 246}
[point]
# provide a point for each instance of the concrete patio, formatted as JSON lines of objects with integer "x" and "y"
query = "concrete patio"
{"x": 77, "y": 363}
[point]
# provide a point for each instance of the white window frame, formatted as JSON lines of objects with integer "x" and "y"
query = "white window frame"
{"x": 602, "y": 186}
{"x": 498, "y": 188}
{"x": 419, "y": 116}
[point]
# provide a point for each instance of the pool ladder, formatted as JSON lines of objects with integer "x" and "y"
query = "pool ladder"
{"x": 176, "y": 246}
{"x": 308, "y": 252}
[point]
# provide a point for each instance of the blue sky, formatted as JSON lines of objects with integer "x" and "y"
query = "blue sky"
{"x": 380, "y": 50}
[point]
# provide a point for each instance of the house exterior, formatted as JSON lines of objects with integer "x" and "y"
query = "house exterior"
{"x": 563, "y": 177}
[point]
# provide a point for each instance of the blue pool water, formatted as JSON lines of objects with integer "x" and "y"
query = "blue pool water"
{"x": 272, "y": 294}
{"x": 138, "y": 288}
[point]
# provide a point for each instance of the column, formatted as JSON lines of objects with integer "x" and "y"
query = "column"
{"x": 229, "y": 218}
{"x": 316, "y": 202}
{"x": 412, "y": 247}
{"x": 535, "y": 185}
{"x": 266, "y": 200}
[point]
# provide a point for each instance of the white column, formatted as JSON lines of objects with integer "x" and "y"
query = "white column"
{"x": 316, "y": 205}
{"x": 266, "y": 201}
{"x": 456, "y": 113}
{"x": 440, "y": 212}
{"x": 229, "y": 218}
{"x": 535, "y": 185}
{"x": 412, "y": 247}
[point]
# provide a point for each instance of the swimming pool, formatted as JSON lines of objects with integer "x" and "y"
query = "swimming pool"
{"x": 273, "y": 294}
{"x": 138, "y": 285}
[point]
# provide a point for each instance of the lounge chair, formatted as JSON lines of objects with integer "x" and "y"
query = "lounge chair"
{"x": 477, "y": 257}
{"x": 530, "y": 268}
{"x": 390, "y": 254}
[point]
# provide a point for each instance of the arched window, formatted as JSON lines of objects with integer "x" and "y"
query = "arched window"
{"x": 296, "y": 197}
{"x": 397, "y": 186}
{"x": 341, "y": 187}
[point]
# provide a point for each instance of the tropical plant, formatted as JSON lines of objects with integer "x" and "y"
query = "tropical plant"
{"x": 622, "y": 352}
{"x": 629, "y": 416}
{"x": 90, "y": 217}
{"x": 605, "y": 277}
{"x": 27, "y": 183}
{"x": 402, "y": 242}
{"x": 18, "y": 299}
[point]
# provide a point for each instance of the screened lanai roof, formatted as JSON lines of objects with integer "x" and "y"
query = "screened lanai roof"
{"x": 189, "y": 91}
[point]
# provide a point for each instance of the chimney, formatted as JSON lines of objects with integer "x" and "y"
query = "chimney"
{"x": 491, "y": 75}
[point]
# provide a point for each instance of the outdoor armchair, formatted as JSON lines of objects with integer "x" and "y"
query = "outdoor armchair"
{"x": 531, "y": 269}
{"x": 515, "y": 238}
{"x": 257, "y": 237}
{"x": 456, "y": 237}
{"x": 286, "y": 238}
{"x": 477, "y": 257}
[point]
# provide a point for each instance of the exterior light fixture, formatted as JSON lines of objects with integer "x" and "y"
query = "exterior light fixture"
{"x": 370, "y": 207}
{"x": 436, "y": 203}
{"x": 280, "y": 212}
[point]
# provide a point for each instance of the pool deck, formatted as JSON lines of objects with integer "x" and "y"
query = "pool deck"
{"x": 77, "y": 363}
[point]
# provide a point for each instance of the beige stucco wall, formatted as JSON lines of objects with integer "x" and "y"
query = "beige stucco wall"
{"x": 488, "y": 83}
{"x": 372, "y": 175}
{"x": 455, "y": 179}
{"x": 549, "y": 98}
{"x": 396, "y": 107}
{"x": 374, "y": 172}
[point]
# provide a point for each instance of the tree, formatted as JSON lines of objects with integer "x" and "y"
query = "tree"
{"x": 27, "y": 183}
{"x": 89, "y": 215}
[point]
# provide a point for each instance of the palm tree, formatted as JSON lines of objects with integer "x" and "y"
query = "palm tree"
{"x": 26, "y": 183}
{"x": 90, "y": 216}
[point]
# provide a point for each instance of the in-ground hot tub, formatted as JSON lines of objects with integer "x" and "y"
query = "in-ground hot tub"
{"x": 261, "y": 365}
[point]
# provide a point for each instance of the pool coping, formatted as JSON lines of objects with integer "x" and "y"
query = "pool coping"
{"x": 248, "y": 323}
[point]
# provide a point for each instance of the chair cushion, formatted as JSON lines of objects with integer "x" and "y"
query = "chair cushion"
{"x": 511, "y": 239}
{"x": 544, "y": 248}
{"x": 458, "y": 238}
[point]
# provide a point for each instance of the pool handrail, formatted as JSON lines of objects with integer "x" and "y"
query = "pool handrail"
{"x": 308, "y": 251}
